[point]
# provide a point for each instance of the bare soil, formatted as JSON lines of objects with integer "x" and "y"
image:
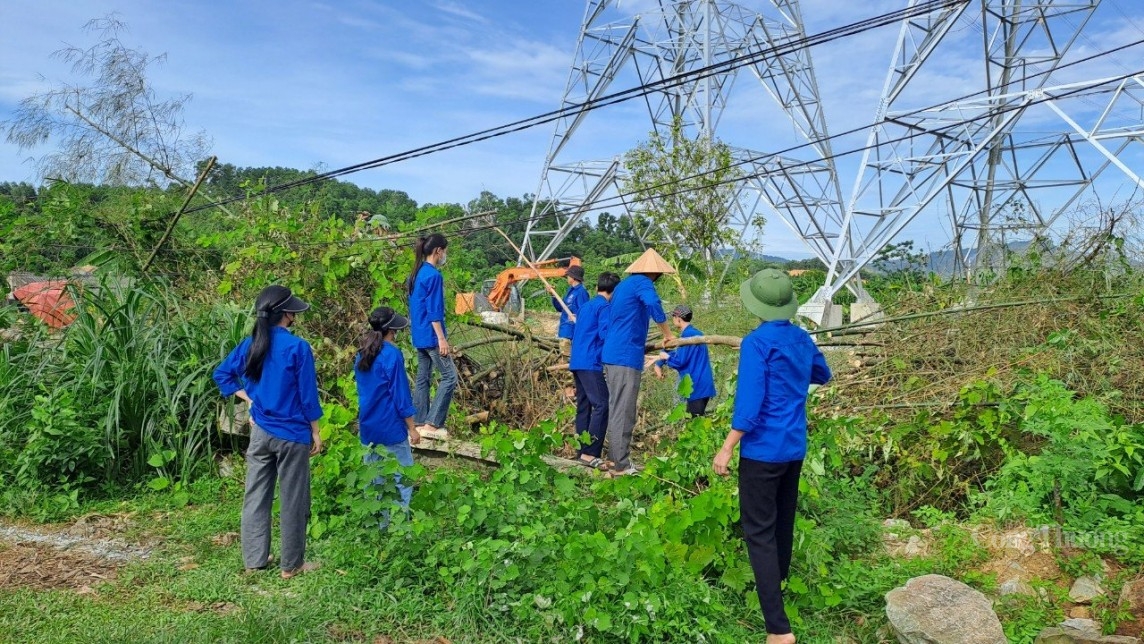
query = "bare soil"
{"x": 75, "y": 556}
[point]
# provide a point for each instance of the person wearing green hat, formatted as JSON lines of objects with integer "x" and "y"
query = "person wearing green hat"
{"x": 778, "y": 362}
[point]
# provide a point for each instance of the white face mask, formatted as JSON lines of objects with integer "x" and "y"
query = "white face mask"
{"x": 444, "y": 260}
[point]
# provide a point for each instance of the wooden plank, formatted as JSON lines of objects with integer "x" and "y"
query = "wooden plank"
{"x": 472, "y": 451}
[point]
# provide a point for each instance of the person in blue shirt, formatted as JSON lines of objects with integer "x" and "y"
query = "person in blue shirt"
{"x": 385, "y": 414}
{"x": 778, "y": 362}
{"x": 273, "y": 370}
{"x": 691, "y": 360}
{"x": 634, "y": 302}
{"x": 426, "y": 289}
{"x": 576, "y": 297}
{"x": 591, "y": 328}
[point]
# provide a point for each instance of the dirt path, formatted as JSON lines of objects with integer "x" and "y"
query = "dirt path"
{"x": 74, "y": 556}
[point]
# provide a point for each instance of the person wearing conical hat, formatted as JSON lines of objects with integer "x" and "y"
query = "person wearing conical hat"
{"x": 634, "y": 302}
{"x": 778, "y": 362}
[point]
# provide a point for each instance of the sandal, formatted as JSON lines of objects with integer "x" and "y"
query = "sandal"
{"x": 429, "y": 431}
{"x": 269, "y": 562}
{"x": 595, "y": 464}
{"x": 309, "y": 566}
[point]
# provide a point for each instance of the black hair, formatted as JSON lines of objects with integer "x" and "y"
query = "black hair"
{"x": 266, "y": 316}
{"x": 371, "y": 341}
{"x": 422, "y": 248}
{"x": 606, "y": 282}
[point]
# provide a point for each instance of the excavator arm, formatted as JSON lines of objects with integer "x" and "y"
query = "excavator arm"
{"x": 502, "y": 288}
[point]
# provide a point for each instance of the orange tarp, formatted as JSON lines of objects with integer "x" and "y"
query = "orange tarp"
{"x": 48, "y": 300}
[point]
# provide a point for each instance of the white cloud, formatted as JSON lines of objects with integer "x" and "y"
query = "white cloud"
{"x": 458, "y": 10}
{"x": 521, "y": 69}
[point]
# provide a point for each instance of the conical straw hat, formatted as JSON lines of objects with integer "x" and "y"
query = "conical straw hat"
{"x": 650, "y": 262}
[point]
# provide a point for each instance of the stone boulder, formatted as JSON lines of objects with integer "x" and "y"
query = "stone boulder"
{"x": 1132, "y": 603}
{"x": 1085, "y": 589}
{"x": 938, "y": 610}
{"x": 1015, "y": 587}
{"x": 1066, "y": 635}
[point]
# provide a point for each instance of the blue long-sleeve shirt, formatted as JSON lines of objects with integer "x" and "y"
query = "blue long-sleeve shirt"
{"x": 285, "y": 398}
{"x": 588, "y": 335}
{"x": 426, "y": 306}
{"x": 778, "y": 362}
{"x": 576, "y": 297}
{"x": 384, "y": 399}
{"x": 695, "y": 361}
{"x": 634, "y": 302}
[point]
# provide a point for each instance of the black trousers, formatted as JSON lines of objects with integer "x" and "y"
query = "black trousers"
{"x": 697, "y": 407}
{"x": 768, "y": 493}
{"x": 591, "y": 409}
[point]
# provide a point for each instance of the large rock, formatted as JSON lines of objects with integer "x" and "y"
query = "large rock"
{"x": 1132, "y": 603}
{"x": 1015, "y": 587}
{"x": 1132, "y": 597}
{"x": 938, "y": 610}
{"x": 1085, "y": 589}
{"x": 1065, "y": 635}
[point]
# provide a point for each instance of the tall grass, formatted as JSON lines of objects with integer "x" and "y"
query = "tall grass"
{"x": 136, "y": 365}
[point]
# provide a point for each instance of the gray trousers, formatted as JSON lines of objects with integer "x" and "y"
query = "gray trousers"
{"x": 269, "y": 458}
{"x": 623, "y": 393}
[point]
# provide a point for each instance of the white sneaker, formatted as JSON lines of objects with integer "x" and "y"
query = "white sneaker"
{"x": 428, "y": 431}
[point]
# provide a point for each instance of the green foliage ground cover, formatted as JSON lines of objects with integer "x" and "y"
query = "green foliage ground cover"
{"x": 521, "y": 551}
{"x": 117, "y": 415}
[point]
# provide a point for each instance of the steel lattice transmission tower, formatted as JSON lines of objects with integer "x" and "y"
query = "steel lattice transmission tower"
{"x": 677, "y": 38}
{"x": 1021, "y": 136}
{"x": 1008, "y": 151}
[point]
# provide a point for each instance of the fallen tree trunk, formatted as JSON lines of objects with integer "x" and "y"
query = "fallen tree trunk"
{"x": 541, "y": 341}
{"x": 722, "y": 340}
{"x": 653, "y": 347}
{"x": 461, "y": 348}
{"x": 473, "y": 452}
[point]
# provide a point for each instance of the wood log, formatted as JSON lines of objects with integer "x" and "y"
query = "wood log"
{"x": 472, "y": 451}
{"x": 723, "y": 340}
{"x": 461, "y": 348}
{"x": 544, "y": 342}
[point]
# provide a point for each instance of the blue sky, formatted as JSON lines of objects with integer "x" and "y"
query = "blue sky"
{"x": 328, "y": 84}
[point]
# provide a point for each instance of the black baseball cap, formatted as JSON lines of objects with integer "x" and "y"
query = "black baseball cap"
{"x": 384, "y": 318}
{"x": 682, "y": 312}
{"x": 279, "y": 299}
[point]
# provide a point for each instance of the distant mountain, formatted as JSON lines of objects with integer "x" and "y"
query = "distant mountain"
{"x": 940, "y": 262}
{"x": 762, "y": 257}
{"x": 943, "y": 262}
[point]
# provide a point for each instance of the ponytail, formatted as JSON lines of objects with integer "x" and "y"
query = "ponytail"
{"x": 267, "y": 315}
{"x": 422, "y": 248}
{"x": 369, "y": 346}
{"x": 371, "y": 341}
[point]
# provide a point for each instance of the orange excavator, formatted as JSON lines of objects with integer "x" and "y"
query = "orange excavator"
{"x": 499, "y": 292}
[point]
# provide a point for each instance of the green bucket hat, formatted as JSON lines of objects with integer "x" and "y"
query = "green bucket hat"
{"x": 770, "y": 295}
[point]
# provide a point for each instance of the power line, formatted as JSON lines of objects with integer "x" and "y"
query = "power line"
{"x": 625, "y": 95}
{"x": 721, "y": 67}
{"x": 617, "y": 200}
{"x": 674, "y": 81}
